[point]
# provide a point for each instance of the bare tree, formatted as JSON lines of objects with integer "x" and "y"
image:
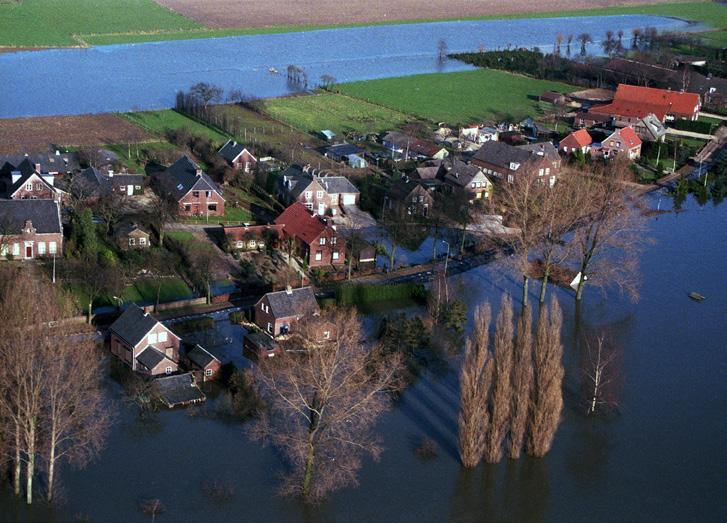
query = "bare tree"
{"x": 522, "y": 383}
{"x": 152, "y": 507}
{"x": 558, "y": 43}
{"x": 442, "y": 50}
{"x": 569, "y": 42}
{"x": 162, "y": 210}
{"x": 95, "y": 280}
{"x": 547, "y": 398}
{"x": 584, "y": 39}
{"x": 609, "y": 239}
{"x": 475, "y": 381}
{"x": 110, "y": 207}
{"x": 206, "y": 93}
{"x": 599, "y": 376}
{"x": 502, "y": 383}
{"x": 323, "y": 400}
{"x": 201, "y": 261}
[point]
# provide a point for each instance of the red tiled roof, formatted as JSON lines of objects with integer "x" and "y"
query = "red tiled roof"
{"x": 576, "y": 139}
{"x": 629, "y": 136}
{"x": 299, "y": 222}
{"x": 636, "y": 101}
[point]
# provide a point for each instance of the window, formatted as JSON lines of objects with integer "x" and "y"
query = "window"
{"x": 308, "y": 195}
{"x": 240, "y": 244}
{"x": 252, "y": 244}
{"x": 270, "y": 327}
{"x": 319, "y": 255}
{"x": 152, "y": 338}
{"x": 38, "y": 186}
{"x": 474, "y": 185}
{"x": 547, "y": 171}
{"x": 16, "y": 249}
{"x": 132, "y": 241}
{"x": 136, "y": 187}
{"x": 52, "y": 247}
{"x": 195, "y": 194}
{"x": 212, "y": 207}
{"x": 187, "y": 207}
{"x": 142, "y": 241}
{"x": 168, "y": 370}
{"x": 208, "y": 372}
{"x": 163, "y": 336}
{"x": 335, "y": 255}
{"x": 29, "y": 187}
{"x": 541, "y": 172}
{"x": 510, "y": 178}
{"x": 41, "y": 248}
{"x": 319, "y": 194}
{"x": 208, "y": 194}
{"x": 322, "y": 241}
{"x": 327, "y": 335}
{"x": 333, "y": 241}
{"x": 309, "y": 206}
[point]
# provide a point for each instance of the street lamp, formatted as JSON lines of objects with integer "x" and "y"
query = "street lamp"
{"x": 119, "y": 300}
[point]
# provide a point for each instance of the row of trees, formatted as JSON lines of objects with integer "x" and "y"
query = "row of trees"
{"x": 52, "y": 409}
{"x": 511, "y": 393}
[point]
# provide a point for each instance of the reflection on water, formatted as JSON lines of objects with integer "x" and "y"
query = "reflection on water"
{"x": 147, "y": 76}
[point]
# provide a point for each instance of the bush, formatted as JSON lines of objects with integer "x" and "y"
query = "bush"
{"x": 235, "y": 317}
{"x": 694, "y": 126}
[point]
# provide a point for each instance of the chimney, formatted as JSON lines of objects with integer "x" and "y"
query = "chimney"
{"x": 288, "y": 290}
{"x": 234, "y": 144}
{"x": 199, "y": 172}
{"x": 37, "y": 167}
{"x": 58, "y": 153}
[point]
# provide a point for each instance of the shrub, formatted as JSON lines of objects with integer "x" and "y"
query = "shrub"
{"x": 235, "y": 317}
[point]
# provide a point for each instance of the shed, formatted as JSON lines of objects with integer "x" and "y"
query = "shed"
{"x": 356, "y": 161}
{"x": 327, "y": 134}
{"x": 178, "y": 390}
{"x": 259, "y": 345}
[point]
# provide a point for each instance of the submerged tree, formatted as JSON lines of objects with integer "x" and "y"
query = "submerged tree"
{"x": 547, "y": 396}
{"x": 584, "y": 39}
{"x": 475, "y": 381}
{"x": 522, "y": 383}
{"x": 322, "y": 402}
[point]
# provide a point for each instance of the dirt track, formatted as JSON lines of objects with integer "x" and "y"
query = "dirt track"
{"x": 28, "y": 135}
{"x": 254, "y": 13}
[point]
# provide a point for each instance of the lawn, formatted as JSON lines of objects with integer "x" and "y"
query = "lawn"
{"x": 458, "y": 98}
{"x": 707, "y": 12}
{"x": 32, "y": 23}
{"x": 232, "y": 215}
{"x": 133, "y": 155}
{"x": 159, "y": 122}
{"x": 181, "y": 236}
{"x": 145, "y": 291}
{"x": 337, "y": 112}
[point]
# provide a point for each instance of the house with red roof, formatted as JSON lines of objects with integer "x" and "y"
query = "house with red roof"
{"x": 579, "y": 140}
{"x": 316, "y": 241}
{"x": 622, "y": 142}
{"x": 632, "y": 103}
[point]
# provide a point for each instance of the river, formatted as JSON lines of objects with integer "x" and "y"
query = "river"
{"x": 661, "y": 458}
{"x": 132, "y": 77}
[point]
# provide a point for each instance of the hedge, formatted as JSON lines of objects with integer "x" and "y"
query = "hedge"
{"x": 694, "y": 126}
{"x": 361, "y": 295}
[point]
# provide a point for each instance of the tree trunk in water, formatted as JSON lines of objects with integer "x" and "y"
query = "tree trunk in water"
{"x": 464, "y": 234}
{"x": 209, "y": 293}
{"x": 30, "y": 466}
{"x": 579, "y": 292}
{"x": 309, "y": 461}
{"x": 17, "y": 468}
{"x": 525, "y": 291}
{"x": 544, "y": 285}
{"x": 52, "y": 462}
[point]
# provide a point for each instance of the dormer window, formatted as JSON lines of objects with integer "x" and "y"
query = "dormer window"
{"x": 514, "y": 166}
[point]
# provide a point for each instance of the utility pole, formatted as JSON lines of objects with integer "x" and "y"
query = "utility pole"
{"x": 54, "y": 267}
{"x": 446, "y": 259}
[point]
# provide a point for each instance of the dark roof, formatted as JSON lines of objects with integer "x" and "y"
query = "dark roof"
{"x": 128, "y": 179}
{"x": 178, "y": 390}
{"x": 231, "y": 150}
{"x": 401, "y": 189}
{"x": 90, "y": 181}
{"x": 133, "y": 325}
{"x": 501, "y": 154}
{"x": 44, "y": 214}
{"x": 546, "y": 149}
{"x": 461, "y": 173}
{"x": 49, "y": 162}
{"x": 150, "y": 357}
{"x": 262, "y": 340}
{"x": 337, "y": 185}
{"x": 343, "y": 149}
{"x": 296, "y": 302}
{"x": 199, "y": 356}
{"x": 182, "y": 176}
{"x": 125, "y": 228}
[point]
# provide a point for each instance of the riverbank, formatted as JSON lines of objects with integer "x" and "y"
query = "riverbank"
{"x": 134, "y": 21}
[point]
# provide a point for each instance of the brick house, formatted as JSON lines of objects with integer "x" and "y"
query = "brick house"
{"x": 204, "y": 365}
{"x": 506, "y": 162}
{"x": 131, "y": 236}
{"x": 321, "y": 194}
{"x": 468, "y": 177}
{"x": 279, "y": 312}
{"x": 622, "y": 142}
{"x": 316, "y": 241}
{"x": 579, "y": 140}
{"x": 238, "y": 156}
{"x": 253, "y": 237}
{"x": 144, "y": 344}
{"x": 33, "y": 186}
{"x": 186, "y": 183}
{"x": 91, "y": 184}
{"x": 411, "y": 196}
{"x": 633, "y": 102}
{"x": 30, "y": 229}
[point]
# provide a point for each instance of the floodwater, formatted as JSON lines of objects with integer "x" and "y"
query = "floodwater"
{"x": 661, "y": 458}
{"x": 131, "y": 77}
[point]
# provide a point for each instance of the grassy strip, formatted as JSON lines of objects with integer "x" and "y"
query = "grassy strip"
{"x": 349, "y": 294}
{"x": 458, "y": 98}
{"x": 32, "y": 23}
{"x": 337, "y": 112}
{"x": 706, "y": 12}
{"x": 159, "y": 122}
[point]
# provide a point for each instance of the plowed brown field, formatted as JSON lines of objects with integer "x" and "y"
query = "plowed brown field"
{"x": 256, "y": 13}
{"x": 29, "y": 135}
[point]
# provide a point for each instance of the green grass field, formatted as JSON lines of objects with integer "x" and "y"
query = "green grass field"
{"x": 706, "y": 11}
{"x": 159, "y": 122}
{"x": 334, "y": 111}
{"x": 232, "y": 214}
{"x": 458, "y": 98}
{"x": 32, "y": 23}
{"x": 146, "y": 291}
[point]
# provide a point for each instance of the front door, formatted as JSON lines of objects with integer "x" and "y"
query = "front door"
{"x": 28, "y": 251}
{"x": 321, "y": 209}
{"x": 130, "y": 190}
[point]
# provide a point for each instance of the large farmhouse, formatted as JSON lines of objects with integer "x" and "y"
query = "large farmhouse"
{"x": 186, "y": 183}
{"x": 30, "y": 229}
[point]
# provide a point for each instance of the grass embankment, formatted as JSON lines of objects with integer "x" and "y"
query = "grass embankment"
{"x": 50, "y": 23}
{"x": 706, "y": 12}
{"x": 458, "y": 98}
{"x": 140, "y": 292}
{"x": 337, "y": 112}
{"x": 160, "y": 122}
